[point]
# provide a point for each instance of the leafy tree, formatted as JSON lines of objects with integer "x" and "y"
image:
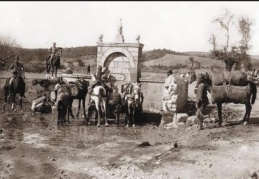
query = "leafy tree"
{"x": 238, "y": 53}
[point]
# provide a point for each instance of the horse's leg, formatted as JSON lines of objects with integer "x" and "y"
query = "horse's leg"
{"x": 133, "y": 115}
{"x": 83, "y": 101}
{"x": 87, "y": 115}
{"x": 128, "y": 116}
{"x": 5, "y": 98}
{"x": 13, "y": 101}
{"x": 79, "y": 107}
{"x": 248, "y": 112}
{"x": 68, "y": 113}
{"x": 56, "y": 71}
{"x": 98, "y": 112}
{"x": 105, "y": 112}
{"x": 118, "y": 115}
{"x": 200, "y": 117}
{"x": 70, "y": 109}
{"x": 219, "y": 106}
{"x": 21, "y": 101}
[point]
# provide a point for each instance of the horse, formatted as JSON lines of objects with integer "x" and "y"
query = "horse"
{"x": 99, "y": 98}
{"x": 53, "y": 64}
{"x": 13, "y": 87}
{"x": 64, "y": 102}
{"x": 133, "y": 102}
{"x": 81, "y": 88}
{"x": 224, "y": 94}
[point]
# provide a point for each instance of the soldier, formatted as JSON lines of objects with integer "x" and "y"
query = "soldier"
{"x": 115, "y": 99}
{"x": 88, "y": 69}
{"x": 17, "y": 66}
{"x": 101, "y": 79}
{"x": 53, "y": 52}
{"x": 18, "y": 72}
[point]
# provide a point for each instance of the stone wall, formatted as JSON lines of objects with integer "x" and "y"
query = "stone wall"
{"x": 153, "y": 92}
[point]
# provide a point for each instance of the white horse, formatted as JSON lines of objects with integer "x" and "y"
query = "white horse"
{"x": 99, "y": 98}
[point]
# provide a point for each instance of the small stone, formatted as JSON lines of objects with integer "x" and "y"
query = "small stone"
{"x": 210, "y": 165}
{"x": 61, "y": 171}
{"x": 52, "y": 159}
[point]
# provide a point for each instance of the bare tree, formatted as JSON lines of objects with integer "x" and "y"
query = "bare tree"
{"x": 224, "y": 22}
{"x": 7, "y": 48}
{"x": 245, "y": 30}
{"x": 238, "y": 53}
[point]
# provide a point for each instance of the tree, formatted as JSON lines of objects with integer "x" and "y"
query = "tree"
{"x": 224, "y": 22}
{"x": 245, "y": 31}
{"x": 238, "y": 53}
{"x": 213, "y": 42}
{"x": 7, "y": 48}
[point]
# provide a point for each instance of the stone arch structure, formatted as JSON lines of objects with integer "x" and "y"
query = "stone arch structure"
{"x": 121, "y": 50}
{"x": 121, "y": 59}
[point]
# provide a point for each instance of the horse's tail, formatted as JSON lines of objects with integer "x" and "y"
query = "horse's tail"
{"x": 253, "y": 91}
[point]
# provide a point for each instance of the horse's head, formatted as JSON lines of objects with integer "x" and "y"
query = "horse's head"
{"x": 136, "y": 91}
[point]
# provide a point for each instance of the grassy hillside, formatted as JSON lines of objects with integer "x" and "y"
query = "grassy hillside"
{"x": 77, "y": 58}
{"x": 172, "y": 60}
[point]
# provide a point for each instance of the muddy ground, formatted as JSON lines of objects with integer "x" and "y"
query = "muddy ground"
{"x": 33, "y": 146}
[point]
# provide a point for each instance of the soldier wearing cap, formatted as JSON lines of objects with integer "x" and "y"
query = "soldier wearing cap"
{"x": 17, "y": 66}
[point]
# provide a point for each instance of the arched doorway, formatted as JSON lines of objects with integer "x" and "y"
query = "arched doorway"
{"x": 118, "y": 65}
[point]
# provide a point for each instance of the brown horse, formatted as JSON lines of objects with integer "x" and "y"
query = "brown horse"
{"x": 230, "y": 94}
{"x": 81, "y": 88}
{"x": 11, "y": 88}
{"x": 64, "y": 102}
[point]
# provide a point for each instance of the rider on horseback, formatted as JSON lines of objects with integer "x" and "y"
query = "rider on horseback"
{"x": 53, "y": 52}
{"x": 17, "y": 66}
{"x": 101, "y": 80}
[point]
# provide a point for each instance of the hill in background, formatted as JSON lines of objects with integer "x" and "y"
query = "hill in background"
{"x": 157, "y": 60}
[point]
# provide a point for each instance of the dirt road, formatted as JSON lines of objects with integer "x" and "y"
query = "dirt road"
{"x": 33, "y": 146}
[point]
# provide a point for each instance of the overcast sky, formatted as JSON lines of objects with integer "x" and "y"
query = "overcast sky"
{"x": 179, "y": 26}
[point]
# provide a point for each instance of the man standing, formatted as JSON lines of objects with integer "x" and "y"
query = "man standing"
{"x": 88, "y": 69}
{"x": 115, "y": 100}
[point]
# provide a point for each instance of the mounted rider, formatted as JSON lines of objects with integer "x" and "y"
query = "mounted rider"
{"x": 54, "y": 51}
{"x": 18, "y": 72}
{"x": 101, "y": 80}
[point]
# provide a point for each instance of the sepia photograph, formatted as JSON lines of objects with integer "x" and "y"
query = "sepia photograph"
{"x": 129, "y": 90}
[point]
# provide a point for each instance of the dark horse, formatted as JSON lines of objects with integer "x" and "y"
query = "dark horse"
{"x": 80, "y": 89}
{"x": 64, "y": 102}
{"x": 17, "y": 85}
{"x": 54, "y": 63}
{"x": 228, "y": 94}
{"x": 133, "y": 103}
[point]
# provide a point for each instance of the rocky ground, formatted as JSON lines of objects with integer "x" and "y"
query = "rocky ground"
{"x": 33, "y": 146}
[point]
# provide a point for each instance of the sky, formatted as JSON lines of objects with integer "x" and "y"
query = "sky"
{"x": 179, "y": 26}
